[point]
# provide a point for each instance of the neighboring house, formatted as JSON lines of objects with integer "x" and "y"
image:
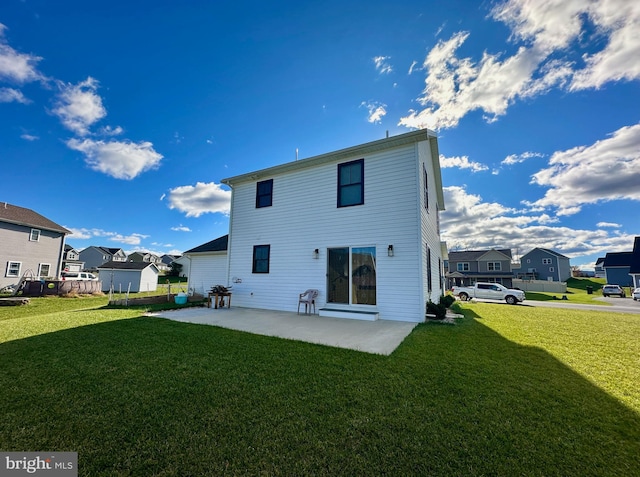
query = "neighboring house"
{"x": 599, "y": 268}
{"x": 470, "y": 266}
{"x": 71, "y": 260}
{"x": 360, "y": 225}
{"x": 128, "y": 276}
{"x": 143, "y": 257}
{"x": 94, "y": 256}
{"x": 623, "y": 268}
{"x": 207, "y": 265}
{"x": 544, "y": 264}
{"x": 185, "y": 262}
{"x": 31, "y": 244}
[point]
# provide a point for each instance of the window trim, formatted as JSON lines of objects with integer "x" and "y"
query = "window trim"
{"x": 256, "y": 261}
{"x": 17, "y": 274}
{"x": 341, "y": 186}
{"x": 495, "y": 268}
{"x": 426, "y": 186}
{"x": 547, "y": 261}
{"x": 460, "y": 267}
{"x": 37, "y": 232}
{"x": 261, "y": 196}
{"x": 40, "y": 270}
{"x": 429, "y": 277}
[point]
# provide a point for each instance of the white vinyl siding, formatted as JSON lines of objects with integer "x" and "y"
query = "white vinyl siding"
{"x": 305, "y": 218}
{"x": 207, "y": 270}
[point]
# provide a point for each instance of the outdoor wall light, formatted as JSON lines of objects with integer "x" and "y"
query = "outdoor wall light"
{"x": 390, "y": 251}
{"x": 316, "y": 253}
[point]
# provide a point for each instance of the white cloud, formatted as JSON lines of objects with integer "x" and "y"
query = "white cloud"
{"x": 382, "y": 65}
{"x": 110, "y": 131}
{"x": 461, "y": 162}
{"x": 87, "y": 234}
{"x": 9, "y": 95}
{"x": 606, "y": 170}
{"x": 551, "y": 34}
{"x": 78, "y": 106}
{"x": 17, "y": 67}
{"x": 518, "y": 158}
{"x": 608, "y": 224}
{"x": 29, "y": 137}
{"x": 470, "y": 223}
{"x": 181, "y": 228}
{"x": 413, "y": 68}
{"x": 118, "y": 159}
{"x": 376, "y": 111}
{"x": 133, "y": 239}
{"x": 200, "y": 199}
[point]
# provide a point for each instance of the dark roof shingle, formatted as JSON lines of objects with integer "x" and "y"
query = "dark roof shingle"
{"x": 27, "y": 217}
{"x": 218, "y": 245}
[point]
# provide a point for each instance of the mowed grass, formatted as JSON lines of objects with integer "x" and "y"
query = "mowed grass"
{"x": 508, "y": 391}
{"x": 576, "y": 292}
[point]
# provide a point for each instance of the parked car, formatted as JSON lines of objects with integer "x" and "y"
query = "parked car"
{"x": 78, "y": 276}
{"x": 636, "y": 294}
{"x": 609, "y": 290}
{"x": 489, "y": 291}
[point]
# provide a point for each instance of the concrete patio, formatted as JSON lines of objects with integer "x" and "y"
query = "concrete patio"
{"x": 378, "y": 337}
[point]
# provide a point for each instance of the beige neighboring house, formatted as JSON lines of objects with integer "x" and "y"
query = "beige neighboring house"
{"x": 32, "y": 244}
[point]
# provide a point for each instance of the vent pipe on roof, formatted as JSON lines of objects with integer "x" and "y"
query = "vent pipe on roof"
{"x": 387, "y": 134}
{"x": 296, "y": 153}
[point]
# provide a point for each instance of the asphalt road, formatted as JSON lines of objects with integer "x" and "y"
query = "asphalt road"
{"x": 618, "y": 305}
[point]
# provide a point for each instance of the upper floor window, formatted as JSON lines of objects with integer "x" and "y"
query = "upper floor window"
{"x": 35, "y": 235}
{"x": 351, "y": 183}
{"x": 463, "y": 266}
{"x": 546, "y": 261}
{"x": 494, "y": 266}
{"x": 264, "y": 193}
{"x": 426, "y": 187}
{"x": 429, "y": 279}
{"x": 261, "y": 255}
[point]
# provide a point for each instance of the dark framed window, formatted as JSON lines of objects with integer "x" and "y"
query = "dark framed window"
{"x": 429, "y": 278}
{"x": 264, "y": 193}
{"x": 351, "y": 183}
{"x": 261, "y": 255}
{"x": 426, "y": 187}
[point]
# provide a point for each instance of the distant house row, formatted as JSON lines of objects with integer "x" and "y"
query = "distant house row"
{"x": 621, "y": 268}
{"x": 34, "y": 247}
{"x": 496, "y": 266}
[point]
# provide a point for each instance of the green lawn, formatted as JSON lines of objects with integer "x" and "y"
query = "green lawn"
{"x": 510, "y": 390}
{"x": 576, "y": 292}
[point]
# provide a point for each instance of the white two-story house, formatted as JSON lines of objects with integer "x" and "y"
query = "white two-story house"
{"x": 360, "y": 225}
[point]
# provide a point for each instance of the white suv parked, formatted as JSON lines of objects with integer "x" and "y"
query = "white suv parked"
{"x": 609, "y": 290}
{"x": 79, "y": 276}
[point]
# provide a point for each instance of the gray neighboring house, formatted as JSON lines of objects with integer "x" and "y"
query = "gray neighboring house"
{"x": 30, "y": 243}
{"x": 71, "y": 260}
{"x": 471, "y": 266}
{"x": 94, "y": 256}
{"x": 544, "y": 264}
{"x": 143, "y": 257}
{"x": 131, "y": 276}
{"x": 208, "y": 265}
{"x": 623, "y": 268}
{"x": 599, "y": 268}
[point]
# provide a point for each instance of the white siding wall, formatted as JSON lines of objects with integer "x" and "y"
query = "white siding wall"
{"x": 207, "y": 270}
{"x": 304, "y": 216}
{"x": 140, "y": 280}
{"x": 428, "y": 226}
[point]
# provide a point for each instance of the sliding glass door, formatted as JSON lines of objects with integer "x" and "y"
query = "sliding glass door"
{"x": 351, "y": 275}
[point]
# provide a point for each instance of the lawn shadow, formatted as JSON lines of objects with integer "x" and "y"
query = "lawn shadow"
{"x": 152, "y": 396}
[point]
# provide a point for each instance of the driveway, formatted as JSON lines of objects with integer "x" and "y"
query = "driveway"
{"x": 378, "y": 337}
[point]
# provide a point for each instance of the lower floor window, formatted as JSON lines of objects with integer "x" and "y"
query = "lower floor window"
{"x": 351, "y": 275}
{"x": 13, "y": 269}
{"x": 261, "y": 258}
{"x": 45, "y": 269}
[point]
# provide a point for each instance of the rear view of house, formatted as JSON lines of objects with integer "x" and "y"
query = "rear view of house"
{"x": 31, "y": 244}
{"x": 360, "y": 225}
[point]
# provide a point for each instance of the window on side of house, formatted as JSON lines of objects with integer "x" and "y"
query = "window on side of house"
{"x": 264, "y": 194}
{"x": 261, "y": 255}
{"x": 351, "y": 183}
{"x": 494, "y": 266}
{"x": 463, "y": 267}
{"x": 426, "y": 186}
{"x": 429, "y": 278}
{"x": 551, "y": 269}
{"x": 44, "y": 270}
{"x": 35, "y": 235}
{"x": 13, "y": 269}
{"x": 546, "y": 261}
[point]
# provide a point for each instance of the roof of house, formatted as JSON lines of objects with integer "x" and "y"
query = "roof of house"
{"x": 618, "y": 259}
{"x": 126, "y": 265}
{"x": 547, "y": 250}
{"x": 473, "y": 255}
{"x": 362, "y": 149}
{"x": 217, "y": 245}
{"x": 27, "y": 217}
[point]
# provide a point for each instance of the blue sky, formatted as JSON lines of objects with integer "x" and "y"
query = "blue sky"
{"x": 120, "y": 119}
